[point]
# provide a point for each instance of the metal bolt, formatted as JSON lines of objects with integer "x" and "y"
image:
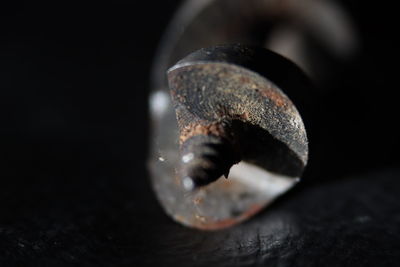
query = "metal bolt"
{"x": 231, "y": 112}
{"x": 230, "y": 107}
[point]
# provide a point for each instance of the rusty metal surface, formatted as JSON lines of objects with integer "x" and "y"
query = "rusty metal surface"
{"x": 263, "y": 23}
{"x": 229, "y": 108}
{"x": 214, "y": 86}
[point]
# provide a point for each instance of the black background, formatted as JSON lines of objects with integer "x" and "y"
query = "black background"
{"x": 74, "y": 83}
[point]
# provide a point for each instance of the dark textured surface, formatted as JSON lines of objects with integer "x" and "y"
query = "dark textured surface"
{"x": 231, "y": 83}
{"x": 352, "y": 222}
{"x": 73, "y": 183}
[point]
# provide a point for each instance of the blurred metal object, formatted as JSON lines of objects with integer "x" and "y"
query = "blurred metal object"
{"x": 303, "y": 31}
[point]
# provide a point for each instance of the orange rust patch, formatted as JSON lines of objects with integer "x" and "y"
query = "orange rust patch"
{"x": 245, "y": 116}
{"x": 244, "y": 79}
{"x": 276, "y": 97}
{"x": 198, "y": 200}
{"x": 198, "y": 129}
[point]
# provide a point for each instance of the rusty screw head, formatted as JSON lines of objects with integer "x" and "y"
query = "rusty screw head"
{"x": 230, "y": 111}
{"x": 230, "y": 105}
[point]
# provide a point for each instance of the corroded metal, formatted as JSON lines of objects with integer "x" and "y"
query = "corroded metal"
{"x": 231, "y": 106}
{"x": 227, "y": 111}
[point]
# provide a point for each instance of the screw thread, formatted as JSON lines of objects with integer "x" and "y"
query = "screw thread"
{"x": 205, "y": 158}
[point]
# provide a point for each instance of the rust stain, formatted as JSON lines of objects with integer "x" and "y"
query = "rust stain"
{"x": 194, "y": 129}
{"x": 244, "y": 79}
{"x": 275, "y": 96}
{"x": 245, "y": 116}
{"x": 198, "y": 200}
